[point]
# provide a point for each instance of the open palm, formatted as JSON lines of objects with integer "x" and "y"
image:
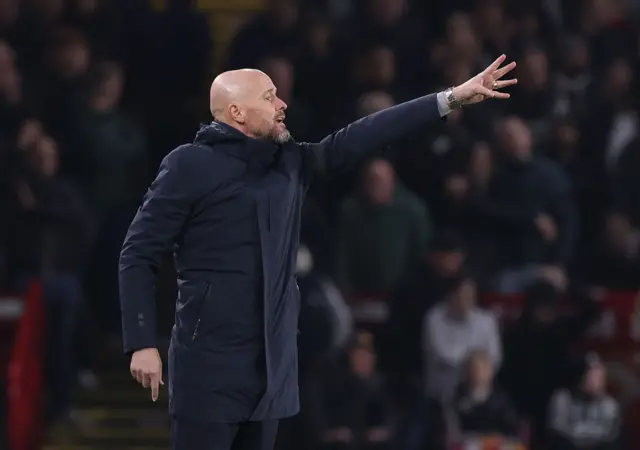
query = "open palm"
{"x": 486, "y": 84}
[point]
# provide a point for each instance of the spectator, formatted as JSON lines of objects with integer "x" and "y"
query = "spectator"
{"x": 348, "y": 408}
{"x": 537, "y": 347}
{"x": 535, "y": 96}
{"x": 612, "y": 122}
{"x": 59, "y": 85}
{"x": 452, "y": 330}
{"x": 574, "y": 78}
{"x": 585, "y": 416}
{"x": 49, "y": 241}
{"x": 480, "y": 407}
{"x": 530, "y": 204}
{"x": 430, "y": 284}
{"x": 112, "y": 146}
{"x": 383, "y": 232}
{"x": 615, "y": 263}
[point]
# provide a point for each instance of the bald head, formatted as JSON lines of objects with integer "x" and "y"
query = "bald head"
{"x": 247, "y": 100}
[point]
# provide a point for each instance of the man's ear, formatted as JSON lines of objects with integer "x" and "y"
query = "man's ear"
{"x": 236, "y": 113}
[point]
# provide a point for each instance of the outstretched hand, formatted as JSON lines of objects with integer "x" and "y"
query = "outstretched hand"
{"x": 486, "y": 84}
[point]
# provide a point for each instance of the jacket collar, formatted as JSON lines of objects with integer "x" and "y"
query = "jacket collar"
{"x": 236, "y": 143}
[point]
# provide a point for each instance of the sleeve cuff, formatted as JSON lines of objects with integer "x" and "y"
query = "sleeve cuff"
{"x": 443, "y": 105}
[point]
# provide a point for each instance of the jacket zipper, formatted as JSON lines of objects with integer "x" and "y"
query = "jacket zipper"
{"x": 204, "y": 302}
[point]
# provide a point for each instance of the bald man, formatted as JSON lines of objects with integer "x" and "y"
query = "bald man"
{"x": 228, "y": 206}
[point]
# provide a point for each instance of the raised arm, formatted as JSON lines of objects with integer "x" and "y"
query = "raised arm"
{"x": 341, "y": 149}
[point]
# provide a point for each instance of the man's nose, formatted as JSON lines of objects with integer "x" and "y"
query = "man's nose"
{"x": 282, "y": 105}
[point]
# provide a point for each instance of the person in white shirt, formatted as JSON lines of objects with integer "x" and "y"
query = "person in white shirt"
{"x": 452, "y": 330}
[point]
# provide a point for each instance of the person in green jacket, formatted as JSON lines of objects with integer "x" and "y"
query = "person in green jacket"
{"x": 383, "y": 232}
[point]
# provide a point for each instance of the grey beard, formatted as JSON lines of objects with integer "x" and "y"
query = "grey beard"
{"x": 282, "y": 138}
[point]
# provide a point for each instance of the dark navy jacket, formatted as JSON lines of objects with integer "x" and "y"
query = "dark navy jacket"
{"x": 230, "y": 207}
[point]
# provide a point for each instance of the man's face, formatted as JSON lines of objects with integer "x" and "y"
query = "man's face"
{"x": 264, "y": 111}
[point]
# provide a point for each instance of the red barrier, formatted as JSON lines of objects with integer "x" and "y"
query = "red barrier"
{"x": 25, "y": 377}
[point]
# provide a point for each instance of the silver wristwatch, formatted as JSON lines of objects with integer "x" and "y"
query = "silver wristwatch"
{"x": 451, "y": 100}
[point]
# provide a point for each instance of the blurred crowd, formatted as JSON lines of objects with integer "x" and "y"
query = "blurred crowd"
{"x": 537, "y": 196}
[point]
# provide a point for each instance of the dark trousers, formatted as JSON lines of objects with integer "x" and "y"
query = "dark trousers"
{"x": 191, "y": 435}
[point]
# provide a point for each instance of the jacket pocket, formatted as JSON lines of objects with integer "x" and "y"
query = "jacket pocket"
{"x": 201, "y": 312}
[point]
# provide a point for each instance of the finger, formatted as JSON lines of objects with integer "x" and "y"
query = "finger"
{"x": 505, "y": 83}
{"x": 494, "y": 66}
{"x": 155, "y": 389}
{"x": 502, "y": 71}
{"x": 485, "y": 92}
{"x": 500, "y": 95}
{"x": 139, "y": 377}
{"x": 146, "y": 380}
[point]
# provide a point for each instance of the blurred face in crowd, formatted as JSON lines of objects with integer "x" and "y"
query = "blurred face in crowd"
{"x": 8, "y": 12}
{"x": 619, "y": 78}
{"x": 567, "y": 134}
{"x": 379, "y": 182}
{"x": 516, "y": 139}
{"x": 107, "y": 94}
{"x": 285, "y": 13}
{"x": 463, "y": 299}
{"x": 576, "y": 56}
{"x": 480, "y": 370}
{"x": 490, "y": 17}
{"x": 373, "y": 102}
{"x": 535, "y": 70}
{"x": 595, "y": 380}
{"x": 71, "y": 60}
{"x": 386, "y": 12}
{"x": 318, "y": 36}
{"x": 461, "y": 36}
{"x": 381, "y": 64}
{"x": 280, "y": 71}
{"x": 363, "y": 362}
{"x": 446, "y": 263}
{"x": 45, "y": 157}
{"x": 31, "y": 132}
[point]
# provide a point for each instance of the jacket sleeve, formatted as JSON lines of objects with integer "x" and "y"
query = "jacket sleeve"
{"x": 163, "y": 212}
{"x": 343, "y": 148}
